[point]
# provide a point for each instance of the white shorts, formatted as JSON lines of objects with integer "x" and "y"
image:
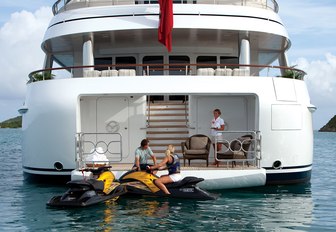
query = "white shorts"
{"x": 176, "y": 177}
{"x": 218, "y": 136}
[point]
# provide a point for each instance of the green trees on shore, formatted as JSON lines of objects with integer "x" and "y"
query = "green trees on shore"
{"x": 12, "y": 123}
{"x": 330, "y": 126}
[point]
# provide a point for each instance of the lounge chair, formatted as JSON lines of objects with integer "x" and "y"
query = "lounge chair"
{"x": 236, "y": 149}
{"x": 196, "y": 147}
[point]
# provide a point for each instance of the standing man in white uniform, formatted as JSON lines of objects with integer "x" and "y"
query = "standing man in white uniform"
{"x": 217, "y": 126}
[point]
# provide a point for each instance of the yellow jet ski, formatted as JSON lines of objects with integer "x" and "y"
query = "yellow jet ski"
{"x": 142, "y": 183}
{"x": 83, "y": 193}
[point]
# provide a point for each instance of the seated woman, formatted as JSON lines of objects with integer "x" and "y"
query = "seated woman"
{"x": 172, "y": 163}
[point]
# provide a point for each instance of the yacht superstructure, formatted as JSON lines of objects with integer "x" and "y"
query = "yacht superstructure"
{"x": 107, "y": 82}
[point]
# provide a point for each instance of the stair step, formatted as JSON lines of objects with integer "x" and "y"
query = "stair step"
{"x": 167, "y": 126}
{"x": 167, "y": 132}
{"x": 168, "y": 103}
{"x": 172, "y": 114}
{"x": 168, "y": 120}
{"x": 167, "y": 109}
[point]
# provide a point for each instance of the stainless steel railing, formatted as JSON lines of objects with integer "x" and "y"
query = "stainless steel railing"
{"x": 289, "y": 72}
{"x": 64, "y": 5}
{"x": 239, "y": 147}
{"x": 96, "y": 149}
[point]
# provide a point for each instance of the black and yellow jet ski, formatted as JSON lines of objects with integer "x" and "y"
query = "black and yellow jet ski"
{"x": 83, "y": 193}
{"x": 142, "y": 183}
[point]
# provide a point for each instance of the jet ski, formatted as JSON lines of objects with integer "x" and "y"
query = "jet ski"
{"x": 82, "y": 193}
{"x": 142, "y": 183}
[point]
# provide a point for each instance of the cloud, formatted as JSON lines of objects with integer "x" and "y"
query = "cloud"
{"x": 312, "y": 30}
{"x": 320, "y": 77}
{"x": 21, "y": 53}
{"x": 308, "y": 16}
{"x": 22, "y": 4}
{"x": 310, "y": 27}
{"x": 321, "y": 84}
{"x": 9, "y": 6}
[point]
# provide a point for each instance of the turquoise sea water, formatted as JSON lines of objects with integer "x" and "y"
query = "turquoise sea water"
{"x": 309, "y": 207}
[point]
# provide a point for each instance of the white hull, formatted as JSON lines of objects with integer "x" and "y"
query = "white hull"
{"x": 55, "y": 132}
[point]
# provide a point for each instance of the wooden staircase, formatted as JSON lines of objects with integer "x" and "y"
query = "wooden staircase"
{"x": 167, "y": 124}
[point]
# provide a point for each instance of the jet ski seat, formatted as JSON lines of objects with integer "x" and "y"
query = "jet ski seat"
{"x": 83, "y": 185}
{"x": 189, "y": 180}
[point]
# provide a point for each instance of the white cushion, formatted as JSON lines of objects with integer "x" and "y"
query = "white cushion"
{"x": 223, "y": 72}
{"x": 241, "y": 72}
{"x": 91, "y": 73}
{"x": 109, "y": 73}
{"x": 205, "y": 72}
{"x": 126, "y": 72}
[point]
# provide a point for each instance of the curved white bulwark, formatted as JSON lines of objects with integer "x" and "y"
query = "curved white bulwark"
{"x": 214, "y": 179}
{"x": 228, "y": 179}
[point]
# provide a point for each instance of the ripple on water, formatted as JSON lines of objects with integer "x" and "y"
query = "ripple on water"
{"x": 277, "y": 208}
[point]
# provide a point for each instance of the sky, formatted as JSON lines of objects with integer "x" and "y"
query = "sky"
{"x": 311, "y": 26}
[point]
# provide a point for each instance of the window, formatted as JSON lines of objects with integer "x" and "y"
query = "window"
{"x": 178, "y": 69}
{"x": 206, "y": 60}
{"x": 124, "y": 62}
{"x": 153, "y": 65}
{"x": 229, "y": 60}
{"x": 102, "y": 61}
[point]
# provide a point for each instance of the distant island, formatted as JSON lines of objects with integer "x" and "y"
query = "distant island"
{"x": 330, "y": 126}
{"x": 12, "y": 123}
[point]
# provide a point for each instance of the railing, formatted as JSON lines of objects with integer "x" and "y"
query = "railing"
{"x": 185, "y": 69}
{"x": 239, "y": 147}
{"x": 64, "y": 5}
{"x": 148, "y": 111}
{"x": 186, "y": 111}
{"x": 96, "y": 149}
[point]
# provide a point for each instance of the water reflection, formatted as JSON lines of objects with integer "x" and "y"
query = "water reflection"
{"x": 258, "y": 209}
{"x": 271, "y": 208}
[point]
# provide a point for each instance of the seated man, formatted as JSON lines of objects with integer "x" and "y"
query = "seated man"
{"x": 142, "y": 154}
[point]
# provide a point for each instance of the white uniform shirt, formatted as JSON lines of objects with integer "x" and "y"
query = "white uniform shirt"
{"x": 97, "y": 156}
{"x": 216, "y": 123}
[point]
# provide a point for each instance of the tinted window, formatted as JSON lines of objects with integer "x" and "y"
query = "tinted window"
{"x": 152, "y": 64}
{"x": 229, "y": 60}
{"x": 102, "y": 61}
{"x": 206, "y": 60}
{"x": 125, "y": 62}
{"x": 178, "y": 69}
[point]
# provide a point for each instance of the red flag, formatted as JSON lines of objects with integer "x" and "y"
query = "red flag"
{"x": 166, "y": 23}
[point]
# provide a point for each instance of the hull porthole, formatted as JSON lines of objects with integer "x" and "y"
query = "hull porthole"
{"x": 277, "y": 164}
{"x": 58, "y": 166}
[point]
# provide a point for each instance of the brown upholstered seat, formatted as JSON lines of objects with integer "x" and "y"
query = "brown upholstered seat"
{"x": 196, "y": 147}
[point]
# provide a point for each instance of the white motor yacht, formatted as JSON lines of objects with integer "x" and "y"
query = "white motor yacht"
{"x": 107, "y": 83}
